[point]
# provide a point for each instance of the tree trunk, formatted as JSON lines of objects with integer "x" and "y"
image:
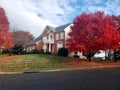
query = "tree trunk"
{"x": 106, "y": 55}
{"x": 89, "y": 56}
{"x": 89, "y": 59}
{"x": 115, "y": 59}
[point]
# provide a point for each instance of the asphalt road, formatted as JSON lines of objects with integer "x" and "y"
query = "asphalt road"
{"x": 93, "y": 79}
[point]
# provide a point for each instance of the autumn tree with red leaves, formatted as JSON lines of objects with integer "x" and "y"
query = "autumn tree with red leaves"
{"x": 117, "y": 22}
{"x": 5, "y": 34}
{"x": 93, "y": 32}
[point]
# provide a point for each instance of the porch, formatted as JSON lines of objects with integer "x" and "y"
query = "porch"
{"x": 48, "y": 47}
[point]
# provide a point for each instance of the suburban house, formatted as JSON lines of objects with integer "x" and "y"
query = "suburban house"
{"x": 54, "y": 38}
{"x": 51, "y": 39}
{"x": 1, "y": 49}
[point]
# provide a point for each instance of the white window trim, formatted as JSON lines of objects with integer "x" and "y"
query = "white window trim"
{"x": 61, "y": 45}
{"x": 57, "y": 36}
{"x": 62, "y": 35}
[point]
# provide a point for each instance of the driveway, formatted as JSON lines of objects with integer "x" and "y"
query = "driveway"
{"x": 88, "y": 79}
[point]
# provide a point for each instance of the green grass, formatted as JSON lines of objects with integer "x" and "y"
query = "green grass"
{"x": 31, "y": 62}
{"x": 38, "y": 62}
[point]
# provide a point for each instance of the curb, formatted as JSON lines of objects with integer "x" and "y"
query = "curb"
{"x": 57, "y": 70}
{"x": 11, "y": 73}
{"x": 99, "y": 67}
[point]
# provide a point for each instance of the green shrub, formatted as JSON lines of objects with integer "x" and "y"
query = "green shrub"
{"x": 35, "y": 51}
{"x": 47, "y": 53}
{"x": 41, "y": 51}
{"x": 63, "y": 52}
{"x": 17, "y": 49}
{"x": 6, "y": 51}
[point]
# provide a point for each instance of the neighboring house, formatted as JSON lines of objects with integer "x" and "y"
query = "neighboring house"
{"x": 52, "y": 39}
{"x": 35, "y": 44}
{"x": 1, "y": 49}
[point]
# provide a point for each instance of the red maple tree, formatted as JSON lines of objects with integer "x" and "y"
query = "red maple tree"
{"x": 5, "y": 34}
{"x": 93, "y": 32}
{"x": 117, "y": 23}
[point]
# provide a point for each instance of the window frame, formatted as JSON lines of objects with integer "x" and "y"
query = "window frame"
{"x": 62, "y": 35}
{"x": 57, "y": 36}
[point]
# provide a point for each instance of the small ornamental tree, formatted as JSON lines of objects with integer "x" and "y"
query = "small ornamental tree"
{"x": 92, "y": 32}
{"x": 5, "y": 34}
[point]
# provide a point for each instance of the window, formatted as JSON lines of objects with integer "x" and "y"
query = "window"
{"x": 30, "y": 48}
{"x": 52, "y": 37}
{"x": 33, "y": 47}
{"x": 62, "y": 35}
{"x": 59, "y": 45}
{"x": 44, "y": 38}
{"x": 57, "y": 36}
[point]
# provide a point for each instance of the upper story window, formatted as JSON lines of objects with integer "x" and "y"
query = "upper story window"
{"x": 62, "y": 35}
{"x": 57, "y": 36}
{"x": 51, "y": 36}
{"x": 44, "y": 38}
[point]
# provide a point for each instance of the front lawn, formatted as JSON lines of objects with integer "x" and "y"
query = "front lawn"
{"x": 38, "y": 62}
{"x": 30, "y": 62}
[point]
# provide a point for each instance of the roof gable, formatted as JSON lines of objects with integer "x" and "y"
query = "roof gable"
{"x": 47, "y": 30}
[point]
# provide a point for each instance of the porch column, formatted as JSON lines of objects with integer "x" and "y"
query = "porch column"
{"x": 44, "y": 47}
{"x": 49, "y": 47}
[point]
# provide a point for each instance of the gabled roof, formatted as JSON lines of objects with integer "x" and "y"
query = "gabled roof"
{"x": 34, "y": 41}
{"x": 47, "y": 28}
{"x": 50, "y": 27}
{"x": 62, "y": 27}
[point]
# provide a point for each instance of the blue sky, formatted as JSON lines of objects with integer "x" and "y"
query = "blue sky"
{"x": 34, "y": 15}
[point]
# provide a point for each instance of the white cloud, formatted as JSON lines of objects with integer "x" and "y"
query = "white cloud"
{"x": 113, "y": 7}
{"x": 34, "y": 15}
{"x": 108, "y": 6}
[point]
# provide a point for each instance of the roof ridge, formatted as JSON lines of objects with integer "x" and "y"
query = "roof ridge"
{"x": 62, "y": 27}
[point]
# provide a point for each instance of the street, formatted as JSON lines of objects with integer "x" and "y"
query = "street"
{"x": 93, "y": 79}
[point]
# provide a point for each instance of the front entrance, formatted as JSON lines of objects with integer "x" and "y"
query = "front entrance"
{"x": 49, "y": 47}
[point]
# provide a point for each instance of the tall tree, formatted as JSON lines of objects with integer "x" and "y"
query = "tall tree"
{"x": 21, "y": 37}
{"x": 117, "y": 22}
{"x": 92, "y": 32}
{"x": 5, "y": 34}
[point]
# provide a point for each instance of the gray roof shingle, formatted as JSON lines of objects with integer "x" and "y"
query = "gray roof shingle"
{"x": 34, "y": 40}
{"x": 62, "y": 27}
